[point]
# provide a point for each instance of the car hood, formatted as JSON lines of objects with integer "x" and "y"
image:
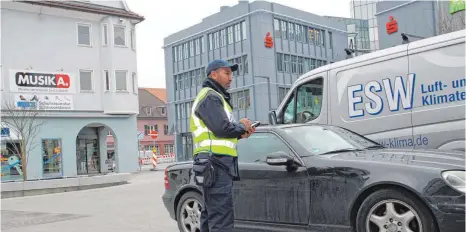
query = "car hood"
{"x": 428, "y": 158}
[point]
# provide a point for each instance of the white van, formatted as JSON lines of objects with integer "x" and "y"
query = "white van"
{"x": 408, "y": 96}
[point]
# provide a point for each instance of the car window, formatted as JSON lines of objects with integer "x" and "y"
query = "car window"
{"x": 309, "y": 101}
{"x": 258, "y": 146}
{"x": 308, "y": 105}
{"x": 318, "y": 140}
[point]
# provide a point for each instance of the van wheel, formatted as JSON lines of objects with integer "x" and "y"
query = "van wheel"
{"x": 393, "y": 211}
{"x": 188, "y": 212}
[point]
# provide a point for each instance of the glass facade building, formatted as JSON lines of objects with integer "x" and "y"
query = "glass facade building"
{"x": 366, "y": 10}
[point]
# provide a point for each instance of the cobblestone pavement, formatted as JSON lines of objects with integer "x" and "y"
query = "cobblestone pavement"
{"x": 133, "y": 207}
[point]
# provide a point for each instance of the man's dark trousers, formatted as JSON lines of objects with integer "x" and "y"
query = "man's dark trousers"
{"x": 217, "y": 214}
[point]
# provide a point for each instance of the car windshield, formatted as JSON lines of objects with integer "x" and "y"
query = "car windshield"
{"x": 320, "y": 140}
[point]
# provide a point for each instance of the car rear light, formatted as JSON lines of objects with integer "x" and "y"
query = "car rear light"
{"x": 167, "y": 185}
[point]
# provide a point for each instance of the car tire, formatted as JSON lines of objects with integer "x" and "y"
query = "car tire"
{"x": 187, "y": 199}
{"x": 376, "y": 204}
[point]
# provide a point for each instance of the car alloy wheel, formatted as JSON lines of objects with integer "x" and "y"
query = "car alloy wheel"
{"x": 190, "y": 215}
{"x": 393, "y": 216}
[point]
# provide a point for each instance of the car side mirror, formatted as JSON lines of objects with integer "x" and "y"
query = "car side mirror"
{"x": 272, "y": 117}
{"x": 279, "y": 158}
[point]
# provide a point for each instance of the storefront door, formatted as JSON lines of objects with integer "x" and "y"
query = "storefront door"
{"x": 87, "y": 156}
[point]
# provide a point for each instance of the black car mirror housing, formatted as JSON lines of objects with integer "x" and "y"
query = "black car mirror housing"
{"x": 279, "y": 158}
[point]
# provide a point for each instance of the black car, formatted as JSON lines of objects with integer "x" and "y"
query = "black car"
{"x": 327, "y": 178}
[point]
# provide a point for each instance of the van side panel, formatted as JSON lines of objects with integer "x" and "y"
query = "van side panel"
{"x": 439, "y": 103}
{"x": 373, "y": 98}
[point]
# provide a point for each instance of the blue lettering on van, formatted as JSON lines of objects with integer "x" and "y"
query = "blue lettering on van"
{"x": 418, "y": 141}
{"x": 396, "y": 91}
{"x": 432, "y": 96}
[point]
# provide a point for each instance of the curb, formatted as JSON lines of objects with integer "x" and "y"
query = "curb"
{"x": 41, "y": 187}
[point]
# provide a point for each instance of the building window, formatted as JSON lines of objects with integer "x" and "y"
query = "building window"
{"x": 107, "y": 80}
{"x": 175, "y": 54}
{"x": 188, "y": 109}
{"x": 134, "y": 80}
{"x": 237, "y": 32}
{"x": 52, "y": 156}
{"x": 241, "y": 100}
{"x": 230, "y": 35}
{"x": 168, "y": 149}
{"x": 163, "y": 110}
{"x": 202, "y": 45}
{"x": 191, "y": 48}
{"x": 119, "y": 36}
{"x": 294, "y": 64}
{"x": 180, "y": 53}
{"x": 185, "y": 50}
{"x": 330, "y": 40}
{"x": 211, "y": 45}
{"x": 193, "y": 78}
{"x": 276, "y": 27}
{"x": 85, "y": 80}
{"x": 300, "y": 65}
{"x": 104, "y": 35}
{"x": 217, "y": 39}
{"x": 148, "y": 110}
{"x": 165, "y": 130}
{"x": 280, "y": 62}
{"x": 120, "y": 80}
{"x": 243, "y": 27}
{"x": 200, "y": 76}
{"x": 183, "y": 112}
{"x": 149, "y": 128}
{"x": 133, "y": 39}
{"x": 198, "y": 50}
{"x": 317, "y": 38}
{"x": 291, "y": 31}
{"x": 284, "y": 31}
{"x": 223, "y": 39}
{"x": 84, "y": 34}
{"x": 311, "y": 35}
{"x": 287, "y": 63}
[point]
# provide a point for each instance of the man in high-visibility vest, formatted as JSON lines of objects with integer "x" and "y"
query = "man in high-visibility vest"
{"x": 215, "y": 136}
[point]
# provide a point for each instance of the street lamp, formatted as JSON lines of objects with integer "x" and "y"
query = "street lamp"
{"x": 269, "y": 93}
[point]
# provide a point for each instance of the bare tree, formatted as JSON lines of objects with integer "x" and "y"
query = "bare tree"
{"x": 26, "y": 125}
{"x": 448, "y": 22}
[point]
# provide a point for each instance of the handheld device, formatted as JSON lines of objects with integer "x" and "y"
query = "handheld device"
{"x": 255, "y": 124}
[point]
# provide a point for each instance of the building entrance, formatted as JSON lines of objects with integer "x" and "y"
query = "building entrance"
{"x": 88, "y": 151}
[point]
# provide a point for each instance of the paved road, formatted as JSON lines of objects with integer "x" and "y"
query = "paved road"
{"x": 134, "y": 207}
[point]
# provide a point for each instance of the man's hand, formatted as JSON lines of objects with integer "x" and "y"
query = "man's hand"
{"x": 249, "y": 128}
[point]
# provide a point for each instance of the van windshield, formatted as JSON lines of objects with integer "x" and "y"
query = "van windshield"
{"x": 319, "y": 140}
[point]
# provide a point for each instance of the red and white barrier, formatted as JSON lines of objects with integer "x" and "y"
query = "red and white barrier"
{"x": 154, "y": 160}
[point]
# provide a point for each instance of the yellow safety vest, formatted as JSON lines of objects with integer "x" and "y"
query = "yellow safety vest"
{"x": 204, "y": 140}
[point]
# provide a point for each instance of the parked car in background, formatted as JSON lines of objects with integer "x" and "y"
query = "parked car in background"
{"x": 313, "y": 177}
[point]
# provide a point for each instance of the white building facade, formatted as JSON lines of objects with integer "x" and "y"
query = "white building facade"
{"x": 74, "y": 63}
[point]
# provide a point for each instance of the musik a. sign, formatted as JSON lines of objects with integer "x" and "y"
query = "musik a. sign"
{"x": 27, "y": 81}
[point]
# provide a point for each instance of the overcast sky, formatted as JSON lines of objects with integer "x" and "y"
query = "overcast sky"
{"x": 176, "y": 15}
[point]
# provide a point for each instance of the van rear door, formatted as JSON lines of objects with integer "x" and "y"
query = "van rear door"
{"x": 438, "y": 65}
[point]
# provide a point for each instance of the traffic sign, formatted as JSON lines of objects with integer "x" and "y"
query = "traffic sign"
{"x": 154, "y": 150}
{"x": 154, "y": 134}
{"x": 140, "y": 135}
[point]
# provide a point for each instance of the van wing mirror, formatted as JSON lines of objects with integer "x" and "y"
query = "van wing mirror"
{"x": 272, "y": 117}
{"x": 278, "y": 159}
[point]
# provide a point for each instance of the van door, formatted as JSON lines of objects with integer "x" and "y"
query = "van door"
{"x": 307, "y": 102}
{"x": 372, "y": 96}
{"x": 439, "y": 102}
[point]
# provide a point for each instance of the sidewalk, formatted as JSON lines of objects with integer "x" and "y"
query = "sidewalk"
{"x": 39, "y": 187}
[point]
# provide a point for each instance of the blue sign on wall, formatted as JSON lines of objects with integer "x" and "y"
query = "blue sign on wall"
{"x": 5, "y": 132}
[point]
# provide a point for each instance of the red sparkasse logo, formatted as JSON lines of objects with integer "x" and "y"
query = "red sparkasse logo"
{"x": 45, "y": 80}
{"x": 391, "y": 25}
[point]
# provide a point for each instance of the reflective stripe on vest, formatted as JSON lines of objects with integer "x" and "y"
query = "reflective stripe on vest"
{"x": 203, "y": 138}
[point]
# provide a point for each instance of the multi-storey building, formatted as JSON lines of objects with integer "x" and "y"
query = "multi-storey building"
{"x": 417, "y": 19}
{"x": 366, "y": 10}
{"x": 73, "y": 63}
{"x": 152, "y": 117}
{"x": 273, "y": 45}
{"x": 358, "y": 34}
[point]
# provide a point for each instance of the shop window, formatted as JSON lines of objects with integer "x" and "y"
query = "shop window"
{"x": 11, "y": 160}
{"x": 52, "y": 156}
